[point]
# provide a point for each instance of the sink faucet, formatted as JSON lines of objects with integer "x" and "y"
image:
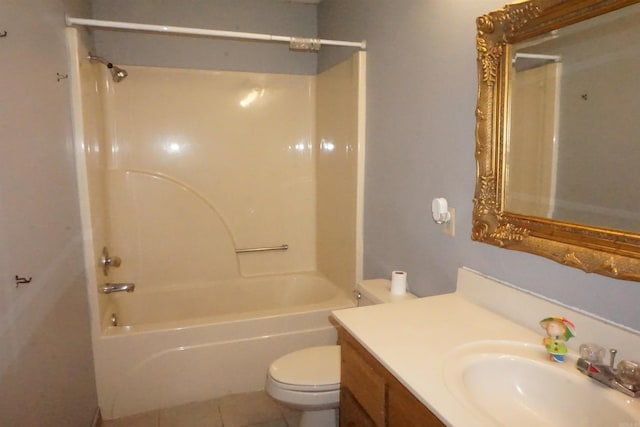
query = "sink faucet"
{"x": 117, "y": 287}
{"x": 625, "y": 378}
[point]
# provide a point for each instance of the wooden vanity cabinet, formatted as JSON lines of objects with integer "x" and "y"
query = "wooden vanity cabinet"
{"x": 370, "y": 396}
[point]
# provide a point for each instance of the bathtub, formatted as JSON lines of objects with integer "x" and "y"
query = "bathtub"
{"x": 182, "y": 344}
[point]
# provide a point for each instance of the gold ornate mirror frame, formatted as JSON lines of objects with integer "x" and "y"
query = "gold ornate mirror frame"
{"x": 595, "y": 250}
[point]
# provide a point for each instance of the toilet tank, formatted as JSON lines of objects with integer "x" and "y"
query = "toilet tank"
{"x": 376, "y": 291}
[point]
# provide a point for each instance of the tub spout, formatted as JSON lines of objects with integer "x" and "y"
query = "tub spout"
{"x": 117, "y": 287}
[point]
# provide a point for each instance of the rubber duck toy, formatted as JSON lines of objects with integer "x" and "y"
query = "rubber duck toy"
{"x": 559, "y": 330}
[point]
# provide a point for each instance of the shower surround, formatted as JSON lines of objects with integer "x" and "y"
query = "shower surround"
{"x": 180, "y": 168}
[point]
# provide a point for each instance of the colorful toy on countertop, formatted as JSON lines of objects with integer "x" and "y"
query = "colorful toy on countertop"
{"x": 559, "y": 330}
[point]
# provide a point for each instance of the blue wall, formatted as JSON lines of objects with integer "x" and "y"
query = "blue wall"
{"x": 421, "y": 92}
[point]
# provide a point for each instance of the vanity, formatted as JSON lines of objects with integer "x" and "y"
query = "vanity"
{"x": 474, "y": 358}
{"x": 371, "y": 396}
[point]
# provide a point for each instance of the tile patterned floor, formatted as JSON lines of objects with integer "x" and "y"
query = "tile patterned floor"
{"x": 254, "y": 409}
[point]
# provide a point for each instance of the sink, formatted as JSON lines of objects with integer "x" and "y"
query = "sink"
{"x": 512, "y": 383}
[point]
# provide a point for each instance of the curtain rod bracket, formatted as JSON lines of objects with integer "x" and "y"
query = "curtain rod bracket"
{"x": 300, "y": 43}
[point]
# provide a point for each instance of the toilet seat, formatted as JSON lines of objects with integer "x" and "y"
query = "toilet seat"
{"x": 306, "y": 399}
{"x": 304, "y": 388}
{"x": 312, "y": 369}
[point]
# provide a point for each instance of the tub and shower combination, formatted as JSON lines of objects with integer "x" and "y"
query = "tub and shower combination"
{"x": 234, "y": 202}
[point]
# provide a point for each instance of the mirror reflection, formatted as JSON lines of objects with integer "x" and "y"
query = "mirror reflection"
{"x": 573, "y": 145}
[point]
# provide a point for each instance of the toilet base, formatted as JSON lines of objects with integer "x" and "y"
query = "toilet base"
{"x": 323, "y": 418}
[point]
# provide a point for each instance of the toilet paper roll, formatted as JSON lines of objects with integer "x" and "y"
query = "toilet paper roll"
{"x": 398, "y": 282}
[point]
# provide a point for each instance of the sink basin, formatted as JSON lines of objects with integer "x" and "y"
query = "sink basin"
{"x": 511, "y": 383}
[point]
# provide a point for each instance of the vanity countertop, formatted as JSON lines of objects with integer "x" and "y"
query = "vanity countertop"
{"x": 412, "y": 340}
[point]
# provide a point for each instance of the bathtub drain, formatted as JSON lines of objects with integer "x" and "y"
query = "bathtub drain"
{"x": 114, "y": 319}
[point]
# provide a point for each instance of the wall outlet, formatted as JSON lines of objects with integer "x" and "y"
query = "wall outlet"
{"x": 449, "y": 227}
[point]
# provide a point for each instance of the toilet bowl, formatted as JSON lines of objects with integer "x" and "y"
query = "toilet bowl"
{"x": 309, "y": 379}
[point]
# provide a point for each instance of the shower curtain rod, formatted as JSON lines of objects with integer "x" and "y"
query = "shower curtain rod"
{"x": 303, "y": 43}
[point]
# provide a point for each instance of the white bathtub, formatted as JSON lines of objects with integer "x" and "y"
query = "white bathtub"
{"x": 208, "y": 340}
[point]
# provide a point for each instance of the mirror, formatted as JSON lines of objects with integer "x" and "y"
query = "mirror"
{"x": 557, "y": 132}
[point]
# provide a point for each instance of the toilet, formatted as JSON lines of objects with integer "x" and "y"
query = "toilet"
{"x": 309, "y": 379}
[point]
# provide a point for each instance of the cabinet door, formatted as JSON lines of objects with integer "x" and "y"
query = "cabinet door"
{"x": 351, "y": 413}
{"x": 370, "y": 396}
{"x": 404, "y": 410}
{"x": 365, "y": 384}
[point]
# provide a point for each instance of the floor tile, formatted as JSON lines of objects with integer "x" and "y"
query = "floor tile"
{"x": 255, "y": 409}
{"x": 250, "y": 409}
{"x": 276, "y": 423}
{"x": 149, "y": 419}
{"x": 198, "y": 414}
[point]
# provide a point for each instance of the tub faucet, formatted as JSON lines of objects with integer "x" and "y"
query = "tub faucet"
{"x": 625, "y": 378}
{"x": 117, "y": 287}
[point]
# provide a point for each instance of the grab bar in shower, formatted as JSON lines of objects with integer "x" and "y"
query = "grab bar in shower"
{"x": 117, "y": 287}
{"x": 263, "y": 249}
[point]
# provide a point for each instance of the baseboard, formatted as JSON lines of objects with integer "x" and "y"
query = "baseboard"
{"x": 97, "y": 419}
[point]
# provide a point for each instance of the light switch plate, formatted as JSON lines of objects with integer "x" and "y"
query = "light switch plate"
{"x": 449, "y": 227}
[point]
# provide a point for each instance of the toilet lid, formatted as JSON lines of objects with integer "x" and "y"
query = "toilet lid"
{"x": 313, "y": 366}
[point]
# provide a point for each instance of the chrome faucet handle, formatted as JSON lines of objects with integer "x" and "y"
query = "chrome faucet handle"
{"x": 106, "y": 261}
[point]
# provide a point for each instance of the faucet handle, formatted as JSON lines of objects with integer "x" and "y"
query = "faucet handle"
{"x": 108, "y": 261}
{"x": 592, "y": 352}
{"x": 629, "y": 373}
